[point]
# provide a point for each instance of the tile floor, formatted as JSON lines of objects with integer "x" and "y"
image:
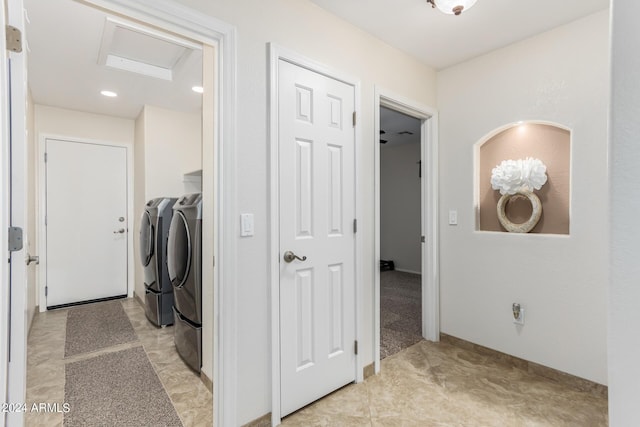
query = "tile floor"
{"x": 427, "y": 384}
{"x": 46, "y": 367}
{"x": 437, "y": 384}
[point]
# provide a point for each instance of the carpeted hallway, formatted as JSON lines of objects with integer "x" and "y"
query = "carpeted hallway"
{"x": 400, "y": 311}
{"x": 111, "y": 367}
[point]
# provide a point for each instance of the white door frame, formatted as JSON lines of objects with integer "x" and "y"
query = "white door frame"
{"x": 429, "y": 215}
{"x": 277, "y": 53}
{"x": 16, "y": 390}
{"x": 42, "y": 209}
{"x": 4, "y": 219}
{"x": 169, "y": 15}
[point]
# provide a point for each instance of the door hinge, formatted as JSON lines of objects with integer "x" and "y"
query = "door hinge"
{"x": 46, "y": 291}
{"x": 355, "y": 347}
{"x": 214, "y": 262}
{"x": 14, "y": 39}
{"x": 355, "y": 225}
{"x": 354, "y": 119}
{"x": 15, "y": 239}
{"x": 45, "y": 157}
{"x": 45, "y": 220}
{"x": 423, "y": 239}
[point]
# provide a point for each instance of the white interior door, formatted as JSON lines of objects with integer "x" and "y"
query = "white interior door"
{"x": 317, "y": 212}
{"x": 5, "y": 278}
{"x": 14, "y": 196}
{"x": 86, "y": 221}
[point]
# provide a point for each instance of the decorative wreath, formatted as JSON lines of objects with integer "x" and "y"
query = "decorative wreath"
{"x": 519, "y": 178}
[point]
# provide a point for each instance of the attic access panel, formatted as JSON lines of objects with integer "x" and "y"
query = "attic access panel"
{"x": 138, "y": 49}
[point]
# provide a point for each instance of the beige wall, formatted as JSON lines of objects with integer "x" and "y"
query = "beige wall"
{"x": 550, "y": 144}
{"x": 172, "y": 147}
{"x": 139, "y": 199}
{"x": 560, "y": 76}
{"x": 400, "y": 221}
{"x": 63, "y": 122}
{"x": 301, "y": 26}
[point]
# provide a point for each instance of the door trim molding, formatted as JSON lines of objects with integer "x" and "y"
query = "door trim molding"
{"x": 206, "y": 29}
{"x": 18, "y": 217}
{"x": 429, "y": 216}
{"x": 4, "y": 218}
{"x": 42, "y": 211}
{"x": 277, "y": 53}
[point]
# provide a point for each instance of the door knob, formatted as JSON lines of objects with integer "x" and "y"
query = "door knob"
{"x": 33, "y": 258}
{"x": 290, "y": 256}
{"x": 121, "y": 231}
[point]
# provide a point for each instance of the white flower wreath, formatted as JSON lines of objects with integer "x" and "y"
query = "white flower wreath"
{"x": 512, "y": 176}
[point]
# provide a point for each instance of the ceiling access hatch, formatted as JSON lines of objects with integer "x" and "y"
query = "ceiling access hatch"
{"x": 137, "y": 49}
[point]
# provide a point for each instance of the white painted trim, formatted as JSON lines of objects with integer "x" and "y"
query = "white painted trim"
{"x": 42, "y": 211}
{"x": 18, "y": 329}
{"x": 277, "y": 53}
{"x": 4, "y": 220}
{"x": 187, "y": 22}
{"x": 430, "y": 252}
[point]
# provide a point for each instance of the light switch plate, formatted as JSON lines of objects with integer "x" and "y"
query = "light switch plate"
{"x": 246, "y": 225}
{"x": 453, "y": 217}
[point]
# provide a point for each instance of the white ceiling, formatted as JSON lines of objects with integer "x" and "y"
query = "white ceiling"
{"x": 64, "y": 39}
{"x": 441, "y": 40}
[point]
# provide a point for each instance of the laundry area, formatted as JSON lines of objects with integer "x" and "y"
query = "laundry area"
{"x": 117, "y": 207}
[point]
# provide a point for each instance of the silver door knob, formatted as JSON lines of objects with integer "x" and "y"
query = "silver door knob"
{"x": 121, "y": 231}
{"x": 290, "y": 256}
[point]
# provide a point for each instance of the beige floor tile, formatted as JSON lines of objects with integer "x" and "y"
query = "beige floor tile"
{"x": 436, "y": 384}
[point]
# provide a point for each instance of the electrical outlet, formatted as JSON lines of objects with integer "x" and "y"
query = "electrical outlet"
{"x": 519, "y": 318}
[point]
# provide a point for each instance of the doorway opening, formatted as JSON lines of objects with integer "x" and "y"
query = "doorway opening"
{"x": 400, "y": 231}
{"x": 407, "y": 291}
{"x": 163, "y": 114}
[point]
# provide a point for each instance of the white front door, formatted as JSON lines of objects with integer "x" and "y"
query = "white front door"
{"x": 317, "y": 212}
{"x": 86, "y": 221}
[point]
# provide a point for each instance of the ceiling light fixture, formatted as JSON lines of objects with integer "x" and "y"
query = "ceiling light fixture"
{"x": 452, "y": 7}
{"x": 198, "y": 89}
{"x": 108, "y": 93}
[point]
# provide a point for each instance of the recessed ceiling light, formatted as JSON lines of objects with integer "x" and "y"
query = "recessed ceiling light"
{"x": 198, "y": 89}
{"x": 108, "y": 93}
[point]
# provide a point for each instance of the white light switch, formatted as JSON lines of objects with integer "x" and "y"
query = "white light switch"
{"x": 246, "y": 225}
{"x": 453, "y": 217}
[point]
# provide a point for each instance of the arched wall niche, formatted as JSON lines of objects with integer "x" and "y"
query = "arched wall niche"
{"x": 549, "y": 142}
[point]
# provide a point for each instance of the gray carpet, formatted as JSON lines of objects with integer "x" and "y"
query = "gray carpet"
{"x": 116, "y": 389}
{"x": 400, "y": 311}
{"x": 96, "y": 326}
